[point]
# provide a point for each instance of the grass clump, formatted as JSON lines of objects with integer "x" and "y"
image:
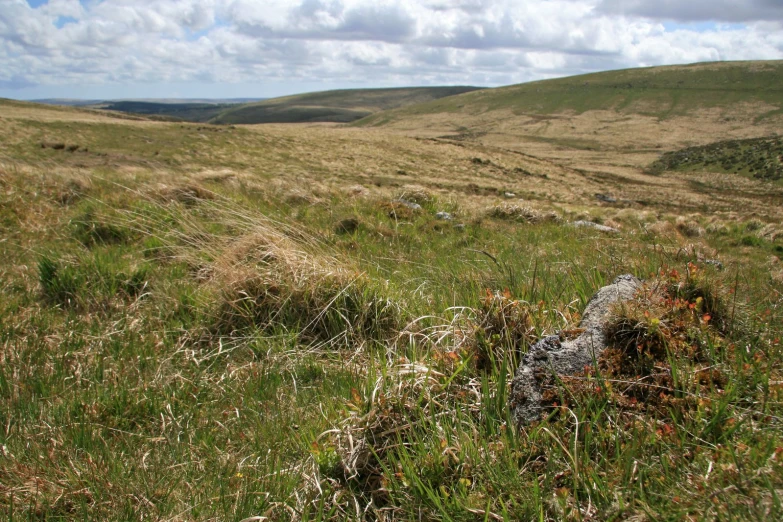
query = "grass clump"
{"x": 265, "y": 276}
{"x": 321, "y": 304}
{"x": 89, "y": 281}
{"x": 502, "y": 329}
{"x": 92, "y": 228}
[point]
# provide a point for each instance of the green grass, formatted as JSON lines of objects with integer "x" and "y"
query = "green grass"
{"x": 219, "y": 352}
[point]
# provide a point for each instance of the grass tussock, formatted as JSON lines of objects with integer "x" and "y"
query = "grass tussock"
{"x": 500, "y": 323}
{"x": 185, "y": 194}
{"x": 267, "y": 283}
{"x": 266, "y": 276}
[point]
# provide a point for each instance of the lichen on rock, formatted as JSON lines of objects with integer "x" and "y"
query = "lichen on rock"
{"x": 559, "y": 355}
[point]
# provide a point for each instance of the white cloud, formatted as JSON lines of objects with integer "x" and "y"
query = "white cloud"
{"x": 67, "y": 45}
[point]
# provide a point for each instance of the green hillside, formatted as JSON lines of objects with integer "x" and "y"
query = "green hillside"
{"x": 656, "y": 91}
{"x": 333, "y": 106}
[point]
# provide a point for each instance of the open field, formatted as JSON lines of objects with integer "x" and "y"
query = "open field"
{"x": 207, "y": 322}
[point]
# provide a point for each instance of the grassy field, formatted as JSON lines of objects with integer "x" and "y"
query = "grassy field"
{"x": 340, "y": 106}
{"x": 254, "y": 322}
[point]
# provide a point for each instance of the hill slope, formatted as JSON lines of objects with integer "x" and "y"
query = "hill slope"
{"x": 656, "y": 91}
{"x": 333, "y": 106}
{"x": 606, "y": 123}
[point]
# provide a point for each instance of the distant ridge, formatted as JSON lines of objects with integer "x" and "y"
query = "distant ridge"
{"x": 334, "y": 106}
{"x": 79, "y": 102}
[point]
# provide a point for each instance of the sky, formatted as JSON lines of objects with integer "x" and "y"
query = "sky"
{"x": 112, "y": 49}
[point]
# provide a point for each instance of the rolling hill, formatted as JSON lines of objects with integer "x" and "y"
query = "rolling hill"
{"x": 193, "y": 110}
{"x": 605, "y": 123}
{"x": 662, "y": 92}
{"x": 333, "y": 106}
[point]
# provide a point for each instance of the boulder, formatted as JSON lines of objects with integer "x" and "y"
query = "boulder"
{"x": 553, "y": 355}
{"x": 444, "y": 216}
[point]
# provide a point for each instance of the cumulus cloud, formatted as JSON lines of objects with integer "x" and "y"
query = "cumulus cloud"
{"x": 276, "y": 46}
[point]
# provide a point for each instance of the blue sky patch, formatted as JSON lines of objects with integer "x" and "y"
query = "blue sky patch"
{"x": 701, "y": 27}
{"x": 62, "y": 21}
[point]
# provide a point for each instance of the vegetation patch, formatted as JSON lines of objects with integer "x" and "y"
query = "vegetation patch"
{"x": 761, "y": 158}
{"x": 90, "y": 281}
{"x": 669, "y": 349}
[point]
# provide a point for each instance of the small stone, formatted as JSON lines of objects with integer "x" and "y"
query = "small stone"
{"x": 409, "y": 204}
{"x": 714, "y": 262}
{"x": 590, "y": 224}
{"x": 509, "y": 195}
{"x": 444, "y": 216}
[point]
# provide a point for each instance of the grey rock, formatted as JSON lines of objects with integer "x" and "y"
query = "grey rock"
{"x": 509, "y": 194}
{"x": 606, "y": 198}
{"x": 460, "y": 226}
{"x": 444, "y": 216}
{"x": 551, "y": 355}
{"x": 590, "y": 224}
{"x": 409, "y": 204}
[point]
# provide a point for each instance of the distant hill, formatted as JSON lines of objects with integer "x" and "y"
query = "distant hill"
{"x": 195, "y": 110}
{"x": 656, "y": 91}
{"x": 646, "y": 110}
{"x": 333, "y": 106}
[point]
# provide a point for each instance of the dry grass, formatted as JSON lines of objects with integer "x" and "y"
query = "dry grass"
{"x": 521, "y": 213}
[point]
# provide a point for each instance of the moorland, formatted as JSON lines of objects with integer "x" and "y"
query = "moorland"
{"x": 320, "y": 321}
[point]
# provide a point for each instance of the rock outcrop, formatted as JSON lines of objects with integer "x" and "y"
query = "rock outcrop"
{"x": 553, "y": 355}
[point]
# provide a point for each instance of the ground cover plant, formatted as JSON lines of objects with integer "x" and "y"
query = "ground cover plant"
{"x": 278, "y": 323}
